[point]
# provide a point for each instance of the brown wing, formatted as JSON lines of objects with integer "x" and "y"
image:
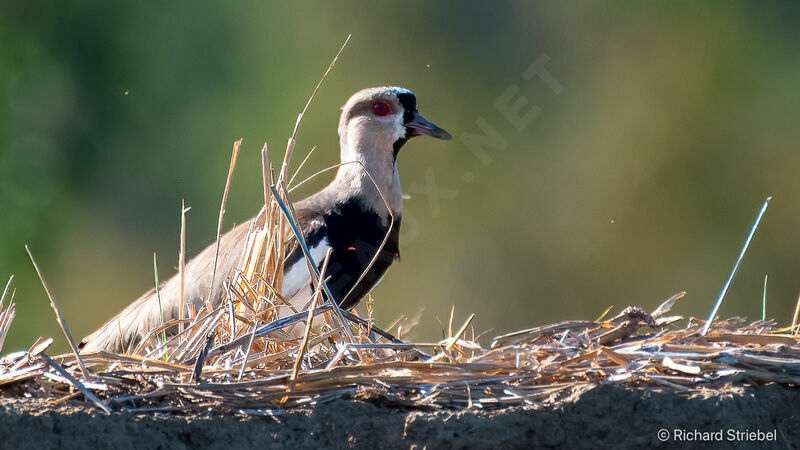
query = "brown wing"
{"x": 125, "y": 330}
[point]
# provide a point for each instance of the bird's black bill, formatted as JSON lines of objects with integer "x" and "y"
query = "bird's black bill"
{"x": 420, "y": 125}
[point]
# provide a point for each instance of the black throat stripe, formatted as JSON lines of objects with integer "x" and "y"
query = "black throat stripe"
{"x": 409, "y": 104}
{"x": 398, "y": 144}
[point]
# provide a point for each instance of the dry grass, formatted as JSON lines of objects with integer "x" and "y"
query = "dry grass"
{"x": 239, "y": 355}
{"x": 258, "y": 370}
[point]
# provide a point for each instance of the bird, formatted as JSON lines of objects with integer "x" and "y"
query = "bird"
{"x": 352, "y": 216}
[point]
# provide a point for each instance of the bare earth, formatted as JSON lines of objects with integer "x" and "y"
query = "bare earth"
{"x": 605, "y": 416}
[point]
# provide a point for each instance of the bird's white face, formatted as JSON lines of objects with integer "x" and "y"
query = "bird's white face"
{"x": 373, "y": 116}
{"x": 387, "y": 114}
{"x": 383, "y": 119}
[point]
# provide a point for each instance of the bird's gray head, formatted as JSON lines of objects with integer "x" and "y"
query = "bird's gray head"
{"x": 383, "y": 119}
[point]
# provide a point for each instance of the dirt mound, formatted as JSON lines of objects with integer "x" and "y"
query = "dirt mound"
{"x": 622, "y": 417}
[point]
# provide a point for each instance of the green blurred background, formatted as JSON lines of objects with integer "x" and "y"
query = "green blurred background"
{"x": 639, "y": 179}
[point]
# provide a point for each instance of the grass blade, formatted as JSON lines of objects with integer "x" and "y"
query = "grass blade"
{"x": 764, "y": 300}
{"x": 736, "y": 266}
{"x": 60, "y": 317}
{"x": 234, "y": 156}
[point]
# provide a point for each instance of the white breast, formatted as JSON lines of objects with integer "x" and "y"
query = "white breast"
{"x": 297, "y": 276}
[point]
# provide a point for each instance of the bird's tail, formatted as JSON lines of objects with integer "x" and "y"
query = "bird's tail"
{"x": 126, "y": 330}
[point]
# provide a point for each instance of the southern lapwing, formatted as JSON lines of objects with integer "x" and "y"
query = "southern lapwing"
{"x": 349, "y": 216}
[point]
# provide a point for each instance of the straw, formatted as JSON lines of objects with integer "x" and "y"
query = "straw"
{"x": 634, "y": 348}
{"x": 59, "y": 317}
{"x": 735, "y": 267}
{"x": 182, "y": 267}
{"x": 234, "y": 156}
{"x": 764, "y": 299}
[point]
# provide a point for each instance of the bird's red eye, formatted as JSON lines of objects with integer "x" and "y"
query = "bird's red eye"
{"x": 381, "y": 108}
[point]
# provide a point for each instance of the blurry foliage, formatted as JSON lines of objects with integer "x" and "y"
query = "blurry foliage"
{"x": 637, "y": 181}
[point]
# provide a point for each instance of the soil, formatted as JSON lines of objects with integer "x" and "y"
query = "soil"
{"x": 603, "y": 416}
